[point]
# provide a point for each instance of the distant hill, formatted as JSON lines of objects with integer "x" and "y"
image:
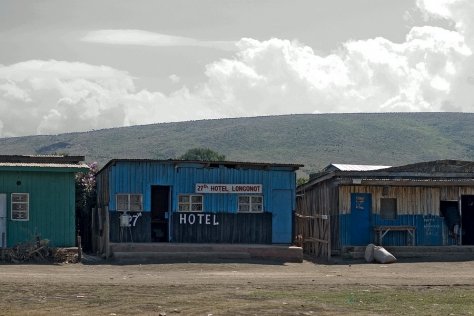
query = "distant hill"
{"x": 313, "y": 140}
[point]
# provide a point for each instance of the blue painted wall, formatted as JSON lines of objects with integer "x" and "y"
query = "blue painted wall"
{"x": 430, "y": 230}
{"x": 279, "y": 185}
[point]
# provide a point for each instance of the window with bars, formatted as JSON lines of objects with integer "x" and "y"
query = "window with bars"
{"x": 190, "y": 203}
{"x": 20, "y": 206}
{"x": 129, "y": 202}
{"x": 250, "y": 203}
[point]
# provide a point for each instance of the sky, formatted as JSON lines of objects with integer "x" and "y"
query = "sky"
{"x": 72, "y": 66}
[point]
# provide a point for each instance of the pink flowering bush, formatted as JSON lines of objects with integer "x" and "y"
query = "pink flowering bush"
{"x": 85, "y": 186}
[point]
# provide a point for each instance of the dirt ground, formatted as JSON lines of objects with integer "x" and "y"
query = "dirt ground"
{"x": 238, "y": 288}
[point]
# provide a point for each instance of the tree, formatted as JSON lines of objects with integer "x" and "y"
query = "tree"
{"x": 301, "y": 181}
{"x": 85, "y": 200}
{"x": 204, "y": 154}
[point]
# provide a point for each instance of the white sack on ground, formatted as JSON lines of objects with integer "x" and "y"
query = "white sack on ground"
{"x": 381, "y": 255}
{"x": 369, "y": 253}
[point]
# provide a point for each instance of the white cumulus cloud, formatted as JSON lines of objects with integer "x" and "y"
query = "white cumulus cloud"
{"x": 49, "y": 97}
{"x": 147, "y": 38}
{"x": 431, "y": 70}
{"x": 461, "y": 15}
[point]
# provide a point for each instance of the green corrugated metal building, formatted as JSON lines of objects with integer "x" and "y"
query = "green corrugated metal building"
{"x": 37, "y": 199}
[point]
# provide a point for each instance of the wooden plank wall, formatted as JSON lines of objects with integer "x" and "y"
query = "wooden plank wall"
{"x": 231, "y": 228}
{"x": 314, "y": 202}
{"x": 320, "y": 199}
{"x": 410, "y": 200}
{"x": 313, "y": 234}
{"x": 454, "y": 193}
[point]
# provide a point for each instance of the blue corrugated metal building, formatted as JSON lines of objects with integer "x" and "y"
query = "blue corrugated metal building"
{"x": 198, "y": 201}
{"x": 423, "y": 204}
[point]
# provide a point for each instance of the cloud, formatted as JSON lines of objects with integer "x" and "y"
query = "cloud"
{"x": 49, "y": 97}
{"x": 146, "y": 38}
{"x": 431, "y": 70}
{"x": 461, "y": 15}
{"x": 174, "y": 78}
{"x": 279, "y": 76}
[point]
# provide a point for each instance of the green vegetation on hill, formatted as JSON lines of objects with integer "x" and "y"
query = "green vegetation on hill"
{"x": 314, "y": 140}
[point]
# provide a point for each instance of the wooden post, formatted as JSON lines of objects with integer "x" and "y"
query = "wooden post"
{"x": 329, "y": 237}
{"x": 79, "y": 248}
{"x": 4, "y": 245}
{"x": 94, "y": 230}
{"x": 107, "y": 233}
{"x": 100, "y": 232}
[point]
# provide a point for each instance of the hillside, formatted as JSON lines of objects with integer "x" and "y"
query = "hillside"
{"x": 313, "y": 140}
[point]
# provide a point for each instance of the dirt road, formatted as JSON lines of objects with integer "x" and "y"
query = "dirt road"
{"x": 231, "y": 288}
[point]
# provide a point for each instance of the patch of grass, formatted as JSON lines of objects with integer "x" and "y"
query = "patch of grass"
{"x": 270, "y": 299}
{"x": 380, "y": 300}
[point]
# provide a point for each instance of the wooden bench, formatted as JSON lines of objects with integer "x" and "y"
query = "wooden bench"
{"x": 381, "y": 231}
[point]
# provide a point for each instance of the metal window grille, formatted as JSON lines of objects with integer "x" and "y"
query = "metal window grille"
{"x": 250, "y": 203}
{"x": 190, "y": 203}
{"x": 20, "y": 206}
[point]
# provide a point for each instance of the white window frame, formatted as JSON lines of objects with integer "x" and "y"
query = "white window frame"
{"x": 250, "y": 203}
{"x": 27, "y": 211}
{"x": 190, "y": 203}
{"x": 129, "y": 208}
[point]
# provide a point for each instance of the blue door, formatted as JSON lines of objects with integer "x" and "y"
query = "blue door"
{"x": 361, "y": 208}
{"x": 282, "y": 207}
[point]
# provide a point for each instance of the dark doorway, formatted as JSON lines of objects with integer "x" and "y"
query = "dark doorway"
{"x": 160, "y": 210}
{"x": 452, "y": 217}
{"x": 467, "y": 219}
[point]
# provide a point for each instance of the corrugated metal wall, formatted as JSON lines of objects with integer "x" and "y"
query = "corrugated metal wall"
{"x": 429, "y": 230}
{"x": 139, "y": 176}
{"x": 51, "y": 207}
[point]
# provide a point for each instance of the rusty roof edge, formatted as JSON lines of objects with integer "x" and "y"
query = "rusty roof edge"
{"x": 294, "y": 167}
{"x": 7, "y": 166}
{"x": 389, "y": 176}
{"x": 404, "y": 174}
{"x": 59, "y": 159}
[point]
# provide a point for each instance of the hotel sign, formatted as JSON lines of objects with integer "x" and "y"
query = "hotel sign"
{"x": 229, "y": 188}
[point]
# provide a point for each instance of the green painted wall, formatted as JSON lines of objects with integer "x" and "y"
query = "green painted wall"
{"x": 51, "y": 209}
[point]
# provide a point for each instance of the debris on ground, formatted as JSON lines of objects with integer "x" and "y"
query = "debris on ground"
{"x": 381, "y": 255}
{"x": 38, "y": 251}
{"x": 65, "y": 255}
{"x": 378, "y": 254}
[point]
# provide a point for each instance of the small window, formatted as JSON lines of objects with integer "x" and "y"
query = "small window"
{"x": 388, "y": 208}
{"x": 190, "y": 203}
{"x": 250, "y": 203}
{"x": 20, "y": 206}
{"x": 129, "y": 202}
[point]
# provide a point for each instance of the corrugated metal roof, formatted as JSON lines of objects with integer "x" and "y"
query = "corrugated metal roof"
{"x": 346, "y": 167}
{"x": 210, "y": 163}
{"x": 448, "y": 166}
{"x": 48, "y": 159}
{"x": 421, "y": 180}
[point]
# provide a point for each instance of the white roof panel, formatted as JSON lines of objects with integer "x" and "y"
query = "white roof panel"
{"x": 345, "y": 167}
